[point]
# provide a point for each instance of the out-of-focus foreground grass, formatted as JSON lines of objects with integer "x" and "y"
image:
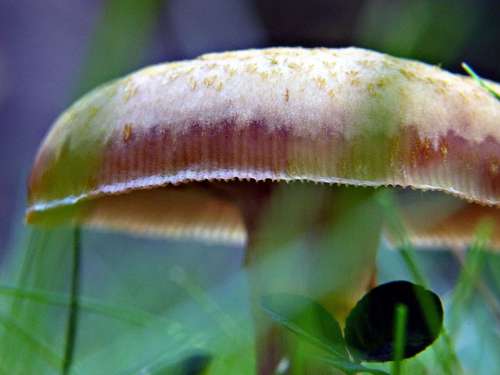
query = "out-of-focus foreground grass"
{"x": 146, "y": 306}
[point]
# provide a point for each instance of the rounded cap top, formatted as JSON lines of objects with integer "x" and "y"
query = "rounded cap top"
{"x": 347, "y": 116}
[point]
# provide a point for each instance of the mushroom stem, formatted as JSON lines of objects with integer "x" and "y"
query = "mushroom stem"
{"x": 311, "y": 240}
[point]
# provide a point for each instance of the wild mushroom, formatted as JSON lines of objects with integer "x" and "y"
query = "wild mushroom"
{"x": 199, "y": 148}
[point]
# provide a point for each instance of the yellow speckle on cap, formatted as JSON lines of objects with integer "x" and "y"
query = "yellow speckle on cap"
{"x": 174, "y": 65}
{"x": 440, "y": 90}
{"x": 92, "y": 112}
{"x": 431, "y": 81}
{"x": 478, "y": 94}
{"x": 229, "y": 70}
{"x": 264, "y": 75}
{"x": 352, "y": 74}
{"x": 329, "y": 64}
{"x": 273, "y": 61}
{"x": 463, "y": 95}
{"x": 444, "y": 150}
{"x": 68, "y": 117}
{"x": 209, "y": 81}
{"x": 408, "y": 74}
{"x": 371, "y": 88}
{"x": 154, "y": 70}
{"x": 251, "y": 68}
{"x": 174, "y": 76}
{"x": 320, "y": 82}
{"x": 127, "y": 132}
{"x": 494, "y": 168}
{"x": 130, "y": 90}
{"x": 192, "y": 83}
{"x": 367, "y": 64}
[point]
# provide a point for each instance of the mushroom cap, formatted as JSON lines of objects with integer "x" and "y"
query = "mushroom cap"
{"x": 137, "y": 153}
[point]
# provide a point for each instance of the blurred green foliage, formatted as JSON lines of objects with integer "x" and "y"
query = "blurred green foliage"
{"x": 121, "y": 39}
{"x": 434, "y": 31}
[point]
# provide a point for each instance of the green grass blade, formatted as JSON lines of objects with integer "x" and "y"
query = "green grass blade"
{"x": 225, "y": 322}
{"x": 182, "y": 328}
{"x": 446, "y": 357}
{"x": 399, "y": 338}
{"x": 37, "y": 240}
{"x": 72, "y": 321}
{"x": 480, "y": 81}
{"x": 132, "y": 316}
{"x": 35, "y": 270}
{"x": 470, "y": 276}
{"x": 120, "y": 38}
{"x": 34, "y": 345}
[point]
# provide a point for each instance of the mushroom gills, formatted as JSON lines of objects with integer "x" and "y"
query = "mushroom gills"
{"x": 206, "y": 211}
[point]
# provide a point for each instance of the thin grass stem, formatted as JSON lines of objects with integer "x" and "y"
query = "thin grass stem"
{"x": 480, "y": 81}
{"x": 72, "y": 322}
{"x": 449, "y": 360}
{"x": 132, "y": 316}
{"x": 399, "y": 338}
{"x": 225, "y": 322}
{"x": 36, "y": 241}
{"x": 470, "y": 276}
{"x": 406, "y": 252}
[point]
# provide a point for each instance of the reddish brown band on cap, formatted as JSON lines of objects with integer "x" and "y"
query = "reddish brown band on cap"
{"x": 346, "y": 116}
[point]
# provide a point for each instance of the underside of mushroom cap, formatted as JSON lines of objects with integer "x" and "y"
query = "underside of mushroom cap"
{"x": 346, "y": 116}
{"x": 433, "y": 220}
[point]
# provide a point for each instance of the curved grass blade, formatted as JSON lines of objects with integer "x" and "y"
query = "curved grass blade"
{"x": 227, "y": 324}
{"x": 480, "y": 81}
{"x": 168, "y": 338}
{"x": 32, "y": 343}
{"x": 446, "y": 357}
{"x": 307, "y": 319}
{"x": 37, "y": 240}
{"x": 351, "y": 367}
{"x": 470, "y": 277}
{"x": 33, "y": 269}
{"x": 131, "y": 316}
